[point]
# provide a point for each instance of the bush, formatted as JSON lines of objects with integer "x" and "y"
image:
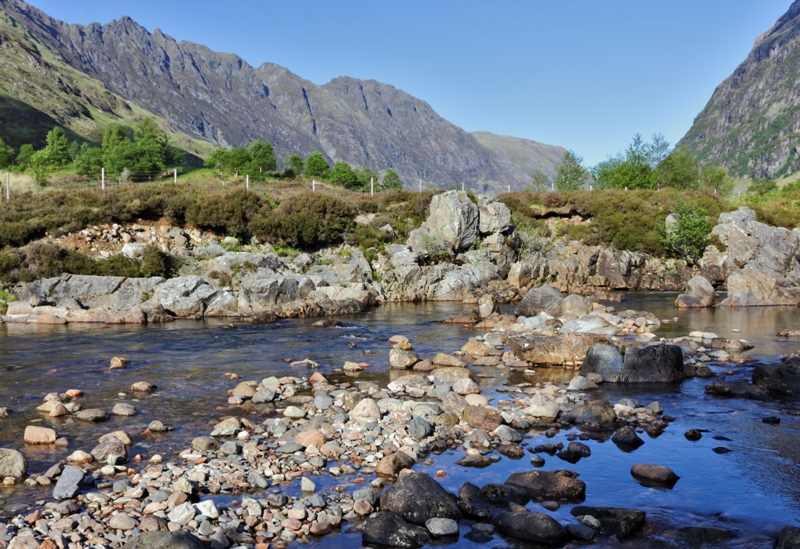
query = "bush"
{"x": 687, "y": 237}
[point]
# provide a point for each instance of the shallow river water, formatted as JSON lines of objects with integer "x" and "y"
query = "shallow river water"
{"x": 753, "y": 491}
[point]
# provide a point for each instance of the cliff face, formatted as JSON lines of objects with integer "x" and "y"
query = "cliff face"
{"x": 751, "y": 124}
{"x": 219, "y": 98}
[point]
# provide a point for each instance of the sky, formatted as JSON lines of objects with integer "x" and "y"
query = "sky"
{"x": 583, "y": 74}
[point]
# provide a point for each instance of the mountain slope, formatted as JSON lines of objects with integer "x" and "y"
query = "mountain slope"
{"x": 528, "y": 155}
{"x": 219, "y": 98}
{"x": 751, "y": 125}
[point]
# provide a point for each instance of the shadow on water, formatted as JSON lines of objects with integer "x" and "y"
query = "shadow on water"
{"x": 753, "y": 491}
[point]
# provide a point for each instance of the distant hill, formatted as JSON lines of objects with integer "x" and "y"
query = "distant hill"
{"x": 528, "y": 155}
{"x": 86, "y": 76}
{"x": 751, "y": 125}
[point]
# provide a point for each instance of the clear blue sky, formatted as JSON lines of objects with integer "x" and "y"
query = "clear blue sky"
{"x": 584, "y": 74}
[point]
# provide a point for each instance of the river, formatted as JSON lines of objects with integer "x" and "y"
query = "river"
{"x": 752, "y": 491}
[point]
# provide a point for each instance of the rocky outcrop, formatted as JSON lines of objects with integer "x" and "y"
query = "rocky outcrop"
{"x": 543, "y": 299}
{"x": 783, "y": 378}
{"x": 554, "y": 351}
{"x": 761, "y": 260}
{"x": 699, "y": 293}
{"x": 654, "y": 363}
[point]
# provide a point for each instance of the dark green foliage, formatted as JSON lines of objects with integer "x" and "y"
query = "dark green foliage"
{"x": 295, "y": 163}
{"x": 762, "y": 186}
{"x": 367, "y": 175}
{"x": 570, "y": 174}
{"x": 142, "y": 158}
{"x": 57, "y": 149}
{"x": 343, "y": 175}
{"x": 48, "y": 260}
{"x": 89, "y": 161}
{"x": 679, "y": 170}
{"x": 262, "y": 158}
{"x": 391, "y": 180}
{"x": 24, "y": 157}
{"x": 687, "y": 237}
{"x": 369, "y": 240}
{"x": 316, "y": 166}
{"x": 539, "y": 182}
{"x": 308, "y": 220}
{"x": 6, "y": 155}
{"x": 228, "y": 213}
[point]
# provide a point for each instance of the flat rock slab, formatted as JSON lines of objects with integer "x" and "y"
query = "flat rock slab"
{"x": 165, "y": 540}
{"x": 68, "y": 485}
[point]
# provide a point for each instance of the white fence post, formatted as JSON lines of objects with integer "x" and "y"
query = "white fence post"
{"x": 313, "y": 185}
{"x": 103, "y": 178}
{"x": 372, "y": 186}
{"x": 420, "y": 185}
{"x": 8, "y": 187}
{"x": 462, "y": 186}
{"x": 247, "y": 183}
{"x": 175, "y": 175}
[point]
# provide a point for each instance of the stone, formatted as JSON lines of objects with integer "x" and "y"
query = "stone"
{"x": 439, "y": 527}
{"x": 595, "y": 411}
{"x": 658, "y": 475}
{"x": 205, "y": 444}
{"x": 122, "y": 521}
{"x": 307, "y": 485}
{"x": 122, "y": 409}
{"x": 182, "y": 513}
{"x": 604, "y": 360}
{"x": 448, "y": 361}
{"x": 542, "y": 407}
{"x": 393, "y": 464}
{"x": 400, "y": 359}
{"x": 627, "y": 439}
{"x": 417, "y": 497}
{"x": 613, "y": 521}
{"x": 165, "y": 540}
{"x": 39, "y": 435}
{"x": 118, "y": 363}
{"x": 419, "y": 428}
{"x": 310, "y": 438}
{"x": 581, "y": 531}
{"x": 12, "y": 464}
{"x": 782, "y": 379}
{"x": 657, "y": 363}
{"x": 465, "y": 387}
{"x": 294, "y": 412}
{"x": 550, "y": 485}
{"x": 576, "y": 305}
{"x": 530, "y": 526}
{"x": 542, "y": 299}
{"x": 580, "y": 383}
{"x": 143, "y": 387}
{"x": 555, "y": 351}
{"x": 80, "y": 457}
{"x": 366, "y": 411}
{"x": 789, "y": 538}
{"x": 111, "y": 451}
{"x": 68, "y": 485}
{"x": 207, "y": 508}
{"x": 482, "y": 417}
{"x": 507, "y": 434}
{"x": 737, "y": 389}
{"x": 321, "y": 528}
{"x": 92, "y": 415}
{"x": 699, "y": 293}
{"x": 384, "y": 528}
{"x": 495, "y": 217}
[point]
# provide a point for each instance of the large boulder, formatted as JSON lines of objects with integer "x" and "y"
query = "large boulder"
{"x": 454, "y": 218}
{"x": 603, "y": 359}
{"x": 389, "y": 529}
{"x": 577, "y": 305}
{"x": 530, "y": 526}
{"x": 699, "y": 293}
{"x": 755, "y": 244}
{"x": 185, "y": 296}
{"x": 656, "y": 363}
{"x": 12, "y": 464}
{"x": 789, "y": 538}
{"x": 736, "y": 389}
{"x": 262, "y": 290}
{"x": 417, "y": 497}
{"x": 550, "y": 485}
{"x": 752, "y": 288}
{"x": 69, "y": 483}
{"x": 783, "y": 378}
{"x": 595, "y": 411}
{"x": 557, "y": 351}
{"x": 542, "y": 299}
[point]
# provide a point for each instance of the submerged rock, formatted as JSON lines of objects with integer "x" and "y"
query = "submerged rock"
{"x": 614, "y": 521}
{"x": 548, "y": 485}
{"x": 385, "y": 528}
{"x": 417, "y": 497}
{"x": 530, "y": 526}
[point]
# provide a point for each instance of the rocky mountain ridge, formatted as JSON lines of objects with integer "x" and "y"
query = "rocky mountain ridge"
{"x": 752, "y": 121}
{"x": 221, "y": 99}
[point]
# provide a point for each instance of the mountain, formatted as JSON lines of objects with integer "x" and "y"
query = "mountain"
{"x": 751, "y": 125}
{"x": 528, "y": 155}
{"x": 83, "y": 76}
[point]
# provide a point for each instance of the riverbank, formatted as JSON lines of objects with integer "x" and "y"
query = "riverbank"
{"x": 670, "y": 448}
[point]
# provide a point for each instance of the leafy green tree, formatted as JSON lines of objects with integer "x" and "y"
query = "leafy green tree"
{"x": 391, "y": 180}
{"x": 89, "y": 161}
{"x": 6, "y": 155}
{"x": 716, "y": 178}
{"x": 365, "y": 175}
{"x": 74, "y": 151}
{"x": 238, "y": 159}
{"x": 24, "y": 157}
{"x": 539, "y": 182}
{"x": 316, "y": 166}
{"x": 762, "y": 186}
{"x": 41, "y": 167}
{"x": 56, "y": 152}
{"x": 217, "y": 160}
{"x": 343, "y": 175}
{"x": 687, "y": 234}
{"x": 632, "y": 169}
{"x": 679, "y": 170}
{"x": 295, "y": 163}
{"x": 151, "y": 147}
{"x": 262, "y": 157}
{"x": 570, "y": 174}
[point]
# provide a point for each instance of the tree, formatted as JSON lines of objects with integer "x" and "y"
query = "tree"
{"x": 570, "y": 174}
{"x": 24, "y": 157}
{"x": 391, "y": 180}
{"x": 632, "y": 169}
{"x": 40, "y": 167}
{"x": 716, "y": 177}
{"x": 539, "y": 182}
{"x": 679, "y": 170}
{"x": 150, "y": 149}
{"x": 316, "y": 166}
{"x": 6, "y": 155}
{"x": 762, "y": 186}
{"x": 238, "y": 159}
{"x": 263, "y": 157}
{"x": 365, "y": 175}
{"x": 295, "y": 163}
{"x": 343, "y": 175}
{"x": 217, "y": 160}
{"x": 686, "y": 232}
{"x": 89, "y": 161}
{"x": 57, "y": 148}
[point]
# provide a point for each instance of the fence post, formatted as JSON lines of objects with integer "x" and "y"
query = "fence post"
{"x": 8, "y": 187}
{"x": 462, "y": 186}
{"x": 175, "y": 175}
{"x": 103, "y": 178}
{"x": 509, "y": 188}
{"x": 313, "y": 185}
{"x": 247, "y": 182}
{"x": 372, "y": 186}
{"x": 420, "y": 185}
